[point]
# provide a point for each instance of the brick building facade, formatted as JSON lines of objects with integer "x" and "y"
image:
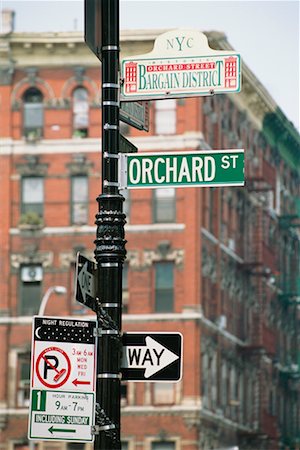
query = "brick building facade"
{"x": 219, "y": 265}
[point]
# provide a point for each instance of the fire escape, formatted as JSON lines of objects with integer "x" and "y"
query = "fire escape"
{"x": 260, "y": 262}
{"x": 288, "y": 365}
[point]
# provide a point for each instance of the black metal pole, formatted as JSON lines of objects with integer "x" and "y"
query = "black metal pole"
{"x": 110, "y": 243}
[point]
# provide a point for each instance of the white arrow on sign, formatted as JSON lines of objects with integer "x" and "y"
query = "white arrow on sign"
{"x": 152, "y": 357}
{"x": 86, "y": 282}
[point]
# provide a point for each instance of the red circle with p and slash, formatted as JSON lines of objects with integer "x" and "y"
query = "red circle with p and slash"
{"x": 59, "y": 373}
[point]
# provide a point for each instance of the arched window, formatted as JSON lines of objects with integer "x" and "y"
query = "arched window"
{"x": 80, "y": 112}
{"x": 33, "y": 114}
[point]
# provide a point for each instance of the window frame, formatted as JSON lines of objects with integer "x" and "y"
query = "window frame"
{"x": 156, "y": 440}
{"x": 23, "y": 385}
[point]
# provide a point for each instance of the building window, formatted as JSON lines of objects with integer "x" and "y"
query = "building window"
{"x": 32, "y": 196}
{"x": 163, "y": 394}
{"x": 164, "y": 287}
{"x": 165, "y": 116}
{"x": 164, "y": 205}
{"x": 80, "y": 112}
{"x": 163, "y": 445}
{"x": 30, "y": 290}
{"x": 75, "y": 446}
{"x": 124, "y": 445}
{"x": 23, "y": 393}
{"x": 79, "y": 204}
{"x": 33, "y": 114}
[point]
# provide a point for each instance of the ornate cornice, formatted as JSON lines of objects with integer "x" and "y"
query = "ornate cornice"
{"x": 43, "y": 258}
{"x": 32, "y": 166}
{"x": 152, "y": 256}
{"x": 6, "y": 75}
{"x": 79, "y": 165}
{"x": 68, "y": 258}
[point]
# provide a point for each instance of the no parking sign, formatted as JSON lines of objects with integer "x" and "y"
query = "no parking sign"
{"x": 63, "y": 379}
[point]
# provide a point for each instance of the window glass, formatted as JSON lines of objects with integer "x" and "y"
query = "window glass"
{"x": 30, "y": 290}
{"x": 75, "y": 446}
{"x": 80, "y": 112}
{"x": 163, "y": 393}
{"x": 125, "y": 276}
{"x": 164, "y": 205}
{"x": 33, "y": 113}
{"x": 165, "y": 445}
{"x": 79, "y": 212}
{"x": 33, "y": 190}
{"x": 164, "y": 286}
{"x": 32, "y": 195}
{"x": 165, "y": 116}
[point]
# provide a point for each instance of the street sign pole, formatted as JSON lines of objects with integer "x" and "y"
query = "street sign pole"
{"x": 110, "y": 243}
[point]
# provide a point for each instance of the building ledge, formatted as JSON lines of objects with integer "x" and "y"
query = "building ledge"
{"x": 86, "y": 229}
{"x": 221, "y": 420}
{"x": 159, "y": 143}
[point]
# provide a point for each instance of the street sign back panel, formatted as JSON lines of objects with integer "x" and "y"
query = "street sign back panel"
{"x": 85, "y": 281}
{"x": 93, "y": 26}
{"x": 135, "y": 114}
{"x": 152, "y": 357}
{"x": 63, "y": 379}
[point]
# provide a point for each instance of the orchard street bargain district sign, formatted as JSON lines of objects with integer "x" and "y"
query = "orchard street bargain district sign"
{"x": 62, "y": 402}
{"x": 181, "y": 64}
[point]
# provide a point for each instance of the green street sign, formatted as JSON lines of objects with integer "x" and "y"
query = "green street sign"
{"x": 61, "y": 415}
{"x": 182, "y": 169}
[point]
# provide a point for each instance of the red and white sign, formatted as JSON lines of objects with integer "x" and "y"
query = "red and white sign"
{"x": 53, "y": 367}
{"x": 181, "y": 64}
{"x": 69, "y": 366}
{"x": 63, "y": 379}
{"x": 59, "y": 360}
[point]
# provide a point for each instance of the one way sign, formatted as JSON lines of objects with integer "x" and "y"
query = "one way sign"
{"x": 152, "y": 357}
{"x": 85, "y": 288}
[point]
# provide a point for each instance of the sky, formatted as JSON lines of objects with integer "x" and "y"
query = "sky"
{"x": 265, "y": 33}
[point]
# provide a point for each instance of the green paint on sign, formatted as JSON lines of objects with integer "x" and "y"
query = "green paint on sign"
{"x": 62, "y": 420}
{"x": 38, "y": 400}
{"x": 182, "y": 169}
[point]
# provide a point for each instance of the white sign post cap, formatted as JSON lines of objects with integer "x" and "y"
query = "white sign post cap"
{"x": 179, "y": 43}
{"x": 182, "y": 42}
